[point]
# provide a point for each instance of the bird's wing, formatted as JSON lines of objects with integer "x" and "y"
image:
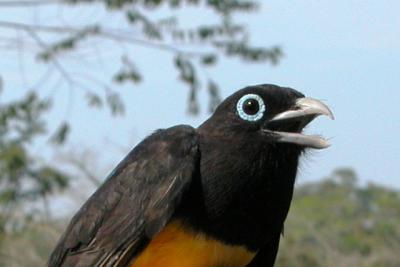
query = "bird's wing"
{"x": 133, "y": 204}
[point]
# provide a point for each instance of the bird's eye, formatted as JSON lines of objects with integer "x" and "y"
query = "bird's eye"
{"x": 250, "y": 107}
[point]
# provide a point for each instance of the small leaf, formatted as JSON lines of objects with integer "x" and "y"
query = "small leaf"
{"x": 47, "y": 180}
{"x": 193, "y": 103}
{"x": 94, "y": 100}
{"x": 115, "y": 104}
{"x": 128, "y": 72}
{"x": 150, "y": 29}
{"x": 206, "y": 32}
{"x": 133, "y": 16}
{"x": 69, "y": 43}
{"x": 186, "y": 70}
{"x": 215, "y": 98}
{"x": 60, "y": 136}
{"x": 209, "y": 59}
{"x": 175, "y": 3}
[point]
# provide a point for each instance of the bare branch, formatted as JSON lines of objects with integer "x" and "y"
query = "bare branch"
{"x": 28, "y": 3}
{"x": 144, "y": 43}
{"x": 83, "y": 163}
{"x": 55, "y": 62}
{"x": 30, "y": 27}
{"x": 82, "y": 166}
{"x": 108, "y": 34}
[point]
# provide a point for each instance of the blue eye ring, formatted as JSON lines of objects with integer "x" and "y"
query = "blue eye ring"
{"x": 250, "y": 117}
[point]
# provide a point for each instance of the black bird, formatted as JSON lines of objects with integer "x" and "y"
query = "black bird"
{"x": 215, "y": 196}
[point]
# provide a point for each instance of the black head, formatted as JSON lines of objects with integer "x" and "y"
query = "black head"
{"x": 274, "y": 114}
{"x": 249, "y": 155}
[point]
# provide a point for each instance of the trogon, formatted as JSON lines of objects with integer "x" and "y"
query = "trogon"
{"x": 212, "y": 196}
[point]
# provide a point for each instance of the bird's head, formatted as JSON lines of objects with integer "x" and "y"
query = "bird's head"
{"x": 250, "y": 149}
{"x": 268, "y": 114}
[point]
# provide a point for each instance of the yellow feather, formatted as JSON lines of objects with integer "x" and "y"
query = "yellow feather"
{"x": 176, "y": 246}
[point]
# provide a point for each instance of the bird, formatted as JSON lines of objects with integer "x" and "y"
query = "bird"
{"x": 212, "y": 196}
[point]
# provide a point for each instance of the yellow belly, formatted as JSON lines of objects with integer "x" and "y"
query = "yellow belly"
{"x": 176, "y": 246}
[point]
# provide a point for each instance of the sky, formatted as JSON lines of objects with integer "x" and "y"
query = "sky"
{"x": 345, "y": 53}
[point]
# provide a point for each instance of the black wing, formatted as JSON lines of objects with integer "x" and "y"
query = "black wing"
{"x": 133, "y": 204}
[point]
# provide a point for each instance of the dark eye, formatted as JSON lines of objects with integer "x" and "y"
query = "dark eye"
{"x": 250, "y": 107}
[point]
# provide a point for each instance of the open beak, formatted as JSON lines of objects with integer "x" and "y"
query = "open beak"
{"x": 287, "y": 126}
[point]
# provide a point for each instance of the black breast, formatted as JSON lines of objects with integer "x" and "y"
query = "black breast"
{"x": 243, "y": 193}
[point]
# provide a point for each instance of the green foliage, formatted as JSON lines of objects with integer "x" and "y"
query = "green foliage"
{"x": 60, "y": 136}
{"x": 35, "y": 240}
{"x": 94, "y": 100}
{"x": 150, "y": 29}
{"x": 337, "y": 223}
{"x": 115, "y": 103}
{"x": 214, "y": 92}
{"x": 128, "y": 72}
{"x": 19, "y": 121}
{"x": 22, "y": 176}
{"x": 69, "y": 43}
{"x": 332, "y": 223}
{"x": 187, "y": 74}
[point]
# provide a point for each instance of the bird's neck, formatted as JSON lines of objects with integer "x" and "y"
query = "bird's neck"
{"x": 246, "y": 191}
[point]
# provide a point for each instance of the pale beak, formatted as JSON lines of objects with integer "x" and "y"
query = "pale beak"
{"x": 304, "y": 111}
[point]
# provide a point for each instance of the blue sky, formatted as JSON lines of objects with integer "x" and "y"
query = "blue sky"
{"x": 343, "y": 52}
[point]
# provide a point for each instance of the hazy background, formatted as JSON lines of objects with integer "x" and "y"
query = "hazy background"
{"x": 343, "y": 52}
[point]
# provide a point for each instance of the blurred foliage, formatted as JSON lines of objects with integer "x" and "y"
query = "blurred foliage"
{"x": 29, "y": 246}
{"x": 23, "y": 177}
{"x": 193, "y": 46}
{"x": 337, "y": 223}
{"x": 26, "y": 180}
{"x": 332, "y": 223}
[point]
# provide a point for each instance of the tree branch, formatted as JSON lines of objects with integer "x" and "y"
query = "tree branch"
{"x": 28, "y": 3}
{"x": 108, "y": 34}
{"x": 56, "y": 63}
{"x": 81, "y": 165}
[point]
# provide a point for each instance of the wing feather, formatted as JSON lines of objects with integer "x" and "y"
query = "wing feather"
{"x": 133, "y": 204}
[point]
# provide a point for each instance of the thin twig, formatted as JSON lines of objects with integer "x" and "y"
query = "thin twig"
{"x": 145, "y": 43}
{"x": 44, "y": 28}
{"x": 59, "y": 67}
{"x": 81, "y": 166}
{"x": 28, "y": 3}
{"x": 21, "y": 61}
{"x": 55, "y": 62}
{"x": 108, "y": 34}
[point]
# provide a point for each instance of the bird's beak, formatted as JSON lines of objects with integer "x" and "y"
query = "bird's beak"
{"x": 286, "y": 126}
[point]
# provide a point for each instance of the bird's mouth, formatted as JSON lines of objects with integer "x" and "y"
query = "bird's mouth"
{"x": 286, "y": 127}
